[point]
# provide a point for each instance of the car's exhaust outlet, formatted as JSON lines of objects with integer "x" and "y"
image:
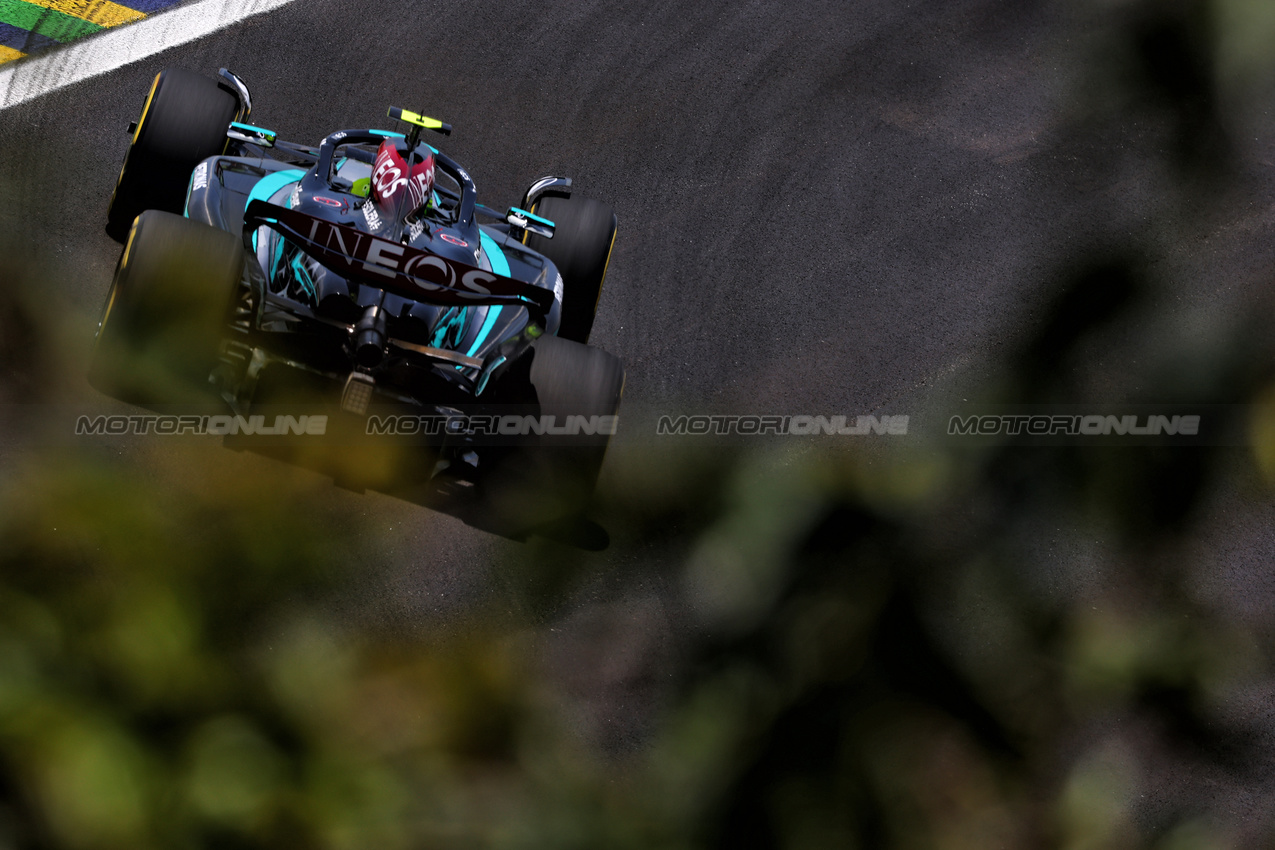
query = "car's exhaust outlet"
{"x": 369, "y": 337}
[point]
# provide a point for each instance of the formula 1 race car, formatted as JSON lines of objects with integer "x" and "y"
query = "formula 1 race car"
{"x": 355, "y": 277}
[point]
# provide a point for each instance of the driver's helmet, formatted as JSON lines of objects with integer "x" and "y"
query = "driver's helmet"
{"x": 391, "y": 182}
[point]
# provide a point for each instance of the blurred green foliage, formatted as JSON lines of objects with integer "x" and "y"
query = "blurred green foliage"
{"x": 877, "y": 660}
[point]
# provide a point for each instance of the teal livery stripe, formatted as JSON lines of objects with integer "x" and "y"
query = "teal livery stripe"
{"x": 267, "y": 187}
{"x": 270, "y": 184}
{"x": 495, "y": 256}
{"x": 500, "y": 266}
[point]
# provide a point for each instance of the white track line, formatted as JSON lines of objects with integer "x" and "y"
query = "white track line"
{"x": 24, "y": 79}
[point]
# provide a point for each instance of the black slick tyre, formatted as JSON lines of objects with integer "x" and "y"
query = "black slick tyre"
{"x": 167, "y": 311}
{"x": 581, "y": 249}
{"x": 552, "y": 477}
{"x": 183, "y": 121}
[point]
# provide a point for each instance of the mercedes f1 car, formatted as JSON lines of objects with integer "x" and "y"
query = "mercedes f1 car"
{"x": 362, "y": 275}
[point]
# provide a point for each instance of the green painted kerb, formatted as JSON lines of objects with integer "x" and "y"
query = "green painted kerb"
{"x": 46, "y": 22}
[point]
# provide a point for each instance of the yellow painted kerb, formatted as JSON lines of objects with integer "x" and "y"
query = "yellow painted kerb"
{"x": 101, "y": 12}
{"x": 8, "y": 54}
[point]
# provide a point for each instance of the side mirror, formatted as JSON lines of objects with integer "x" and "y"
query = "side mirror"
{"x": 560, "y": 186}
{"x": 240, "y": 89}
{"x": 252, "y": 135}
{"x": 530, "y": 222}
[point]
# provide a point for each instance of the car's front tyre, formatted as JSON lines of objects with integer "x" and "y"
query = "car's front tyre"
{"x": 183, "y": 121}
{"x": 583, "y": 236}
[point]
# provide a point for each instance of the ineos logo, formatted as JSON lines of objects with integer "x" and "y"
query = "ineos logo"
{"x": 387, "y": 176}
{"x": 430, "y": 268}
{"x": 437, "y": 270}
{"x": 401, "y": 268}
{"x": 474, "y": 280}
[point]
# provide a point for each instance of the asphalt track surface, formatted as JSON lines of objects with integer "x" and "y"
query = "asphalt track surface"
{"x": 824, "y": 207}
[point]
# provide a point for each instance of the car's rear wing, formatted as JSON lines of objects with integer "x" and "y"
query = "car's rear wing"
{"x": 394, "y": 266}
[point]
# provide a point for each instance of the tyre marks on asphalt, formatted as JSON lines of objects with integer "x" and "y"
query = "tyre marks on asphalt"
{"x": 40, "y": 26}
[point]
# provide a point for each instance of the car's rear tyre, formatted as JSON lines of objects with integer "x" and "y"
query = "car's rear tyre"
{"x": 581, "y": 249}
{"x": 552, "y": 477}
{"x": 183, "y": 121}
{"x": 166, "y": 313}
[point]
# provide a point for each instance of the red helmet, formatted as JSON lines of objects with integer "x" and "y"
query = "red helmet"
{"x": 390, "y": 178}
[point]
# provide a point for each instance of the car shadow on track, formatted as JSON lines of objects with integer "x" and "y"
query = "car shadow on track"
{"x": 415, "y": 482}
